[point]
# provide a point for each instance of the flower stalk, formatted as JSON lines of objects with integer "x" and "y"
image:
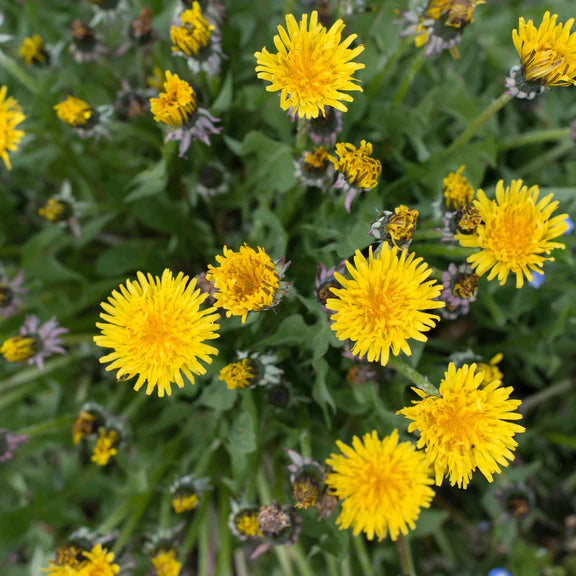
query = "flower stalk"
{"x": 419, "y": 380}
{"x": 405, "y": 554}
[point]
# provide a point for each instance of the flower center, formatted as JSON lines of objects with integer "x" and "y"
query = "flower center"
{"x": 240, "y": 375}
{"x": 247, "y": 523}
{"x": 184, "y": 502}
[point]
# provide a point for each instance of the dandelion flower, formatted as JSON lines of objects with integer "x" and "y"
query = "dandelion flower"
{"x": 384, "y": 303}
{"x": 100, "y": 563}
{"x": 193, "y": 34}
{"x": 515, "y": 234}
{"x": 313, "y": 67}
{"x": 176, "y": 104}
{"x": 383, "y": 485}
{"x": 54, "y": 210}
{"x": 396, "y": 228}
{"x": 157, "y": 331}
{"x": 243, "y": 523}
{"x": 166, "y": 564}
{"x": 467, "y": 427}
{"x": 547, "y": 53}
{"x": 11, "y": 116}
{"x": 490, "y": 369}
{"x": 246, "y": 281}
{"x": 74, "y": 111}
{"x": 456, "y": 190}
{"x": 105, "y": 446}
{"x": 184, "y": 503}
{"x": 32, "y": 50}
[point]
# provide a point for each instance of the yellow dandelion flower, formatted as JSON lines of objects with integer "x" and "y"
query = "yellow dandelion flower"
{"x": 176, "y": 104}
{"x": 32, "y": 50}
{"x": 184, "y": 502}
{"x": 54, "y": 210}
{"x": 166, "y": 564}
{"x": 384, "y": 303}
{"x": 239, "y": 375}
{"x": 547, "y": 53}
{"x": 245, "y": 281}
{"x": 456, "y": 190}
{"x": 357, "y": 164}
{"x": 317, "y": 160}
{"x": 383, "y": 485}
{"x": 313, "y": 67}
{"x": 68, "y": 562}
{"x": 515, "y": 234}
{"x": 157, "y": 78}
{"x": 401, "y": 225}
{"x": 466, "y": 427}
{"x": 83, "y": 426}
{"x": 11, "y": 116}
{"x": 18, "y": 349}
{"x": 74, "y": 111}
{"x": 247, "y": 524}
{"x": 194, "y": 34}
{"x": 490, "y": 369}
{"x": 455, "y": 13}
{"x": 100, "y": 563}
{"x": 158, "y": 331}
{"x": 105, "y": 446}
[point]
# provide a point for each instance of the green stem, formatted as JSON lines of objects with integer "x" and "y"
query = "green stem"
{"x": 406, "y": 560}
{"x": 204, "y": 549}
{"x": 419, "y": 380}
{"x": 535, "y": 137}
{"x": 301, "y": 561}
{"x": 240, "y": 563}
{"x": 409, "y": 77}
{"x": 331, "y": 565}
{"x": 33, "y": 374}
{"x": 379, "y": 79}
{"x": 480, "y": 120}
{"x": 362, "y": 553}
{"x": 558, "y": 389}
{"x": 72, "y": 339}
{"x": 301, "y": 135}
{"x": 48, "y": 426}
{"x": 305, "y": 444}
{"x": 544, "y": 159}
{"x": 224, "y": 560}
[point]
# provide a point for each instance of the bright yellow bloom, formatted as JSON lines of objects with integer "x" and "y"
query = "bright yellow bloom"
{"x": 383, "y": 305}
{"x": 184, "y": 502}
{"x": 357, "y": 164}
{"x": 547, "y": 53}
{"x": 10, "y": 117}
{"x": 401, "y": 225}
{"x": 166, "y": 563}
{"x": 53, "y": 211}
{"x": 515, "y": 234}
{"x": 456, "y": 190}
{"x": 176, "y": 104}
{"x": 74, "y": 111}
{"x": 158, "y": 331}
{"x": 490, "y": 369}
{"x": 100, "y": 563}
{"x": 18, "y": 349}
{"x": 105, "y": 446}
{"x": 245, "y": 281}
{"x": 247, "y": 524}
{"x": 32, "y": 50}
{"x": 68, "y": 562}
{"x": 455, "y": 13}
{"x": 383, "y": 485}
{"x": 194, "y": 34}
{"x": 239, "y": 375}
{"x": 83, "y": 426}
{"x": 317, "y": 160}
{"x": 313, "y": 67}
{"x": 466, "y": 427}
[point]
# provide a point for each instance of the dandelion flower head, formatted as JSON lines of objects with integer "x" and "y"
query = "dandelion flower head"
{"x": 457, "y": 192}
{"x": 176, "y": 104}
{"x": 32, "y": 50}
{"x": 11, "y": 116}
{"x": 157, "y": 331}
{"x": 547, "y": 53}
{"x": 74, "y": 111}
{"x": 467, "y": 427}
{"x": 383, "y": 485}
{"x": 245, "y": 281}
{"x": 357, "y": 164}
{"x": 193, "y": 33}
{"x": 166, "y": 564}
{"x": 313, "y": 67}
{"x": 240, "y": 375}
{"x": 516, "y": 232}
{"x": 384, "y": 303}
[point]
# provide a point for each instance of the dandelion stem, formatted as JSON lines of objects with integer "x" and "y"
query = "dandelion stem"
{"x": 223, "y": 561}
{"x": 300, "y": 558}
{"x": 405, "y": 556}
{"x": 409, "y": 77}
{"x": 535, "y": 137}
{"x": 362, "y": 553}
{"x": 562, "y": 387}
{"x": 301, "y": 135}
{"x": 546, "y": 159}
{"x": 480, "y": 120}
{"x": 414, "y": 376}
